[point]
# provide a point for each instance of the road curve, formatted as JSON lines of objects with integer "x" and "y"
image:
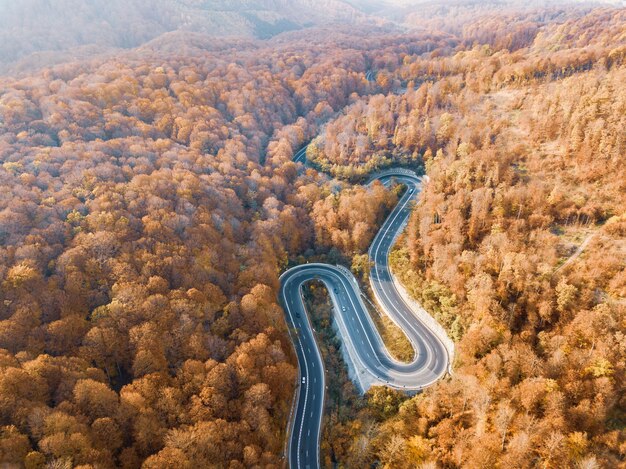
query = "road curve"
{"x": 371, "y": 363}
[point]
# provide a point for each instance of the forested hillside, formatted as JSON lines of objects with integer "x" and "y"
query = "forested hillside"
{"x": 525, "y": 153}
{"x": 148, "y": 204}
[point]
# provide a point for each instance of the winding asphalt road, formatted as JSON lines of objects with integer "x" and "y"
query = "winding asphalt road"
{"x": 370, "y": 361}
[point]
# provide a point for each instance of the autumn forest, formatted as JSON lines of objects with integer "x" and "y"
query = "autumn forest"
{"x": 149, "y": 202}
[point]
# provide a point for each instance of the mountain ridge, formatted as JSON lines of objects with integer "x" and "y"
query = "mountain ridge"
{"x": 36, "y": 33}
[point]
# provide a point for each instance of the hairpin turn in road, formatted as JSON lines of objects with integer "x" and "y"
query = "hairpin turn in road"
{"x": 370, "y": 362}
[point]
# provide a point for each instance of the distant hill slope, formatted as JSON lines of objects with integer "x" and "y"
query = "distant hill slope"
{"x": 37, "y": 32}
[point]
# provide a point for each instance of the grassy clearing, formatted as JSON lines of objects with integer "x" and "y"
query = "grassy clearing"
{"x": 394, "y": 338}
{"x": 571, "y": 239}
